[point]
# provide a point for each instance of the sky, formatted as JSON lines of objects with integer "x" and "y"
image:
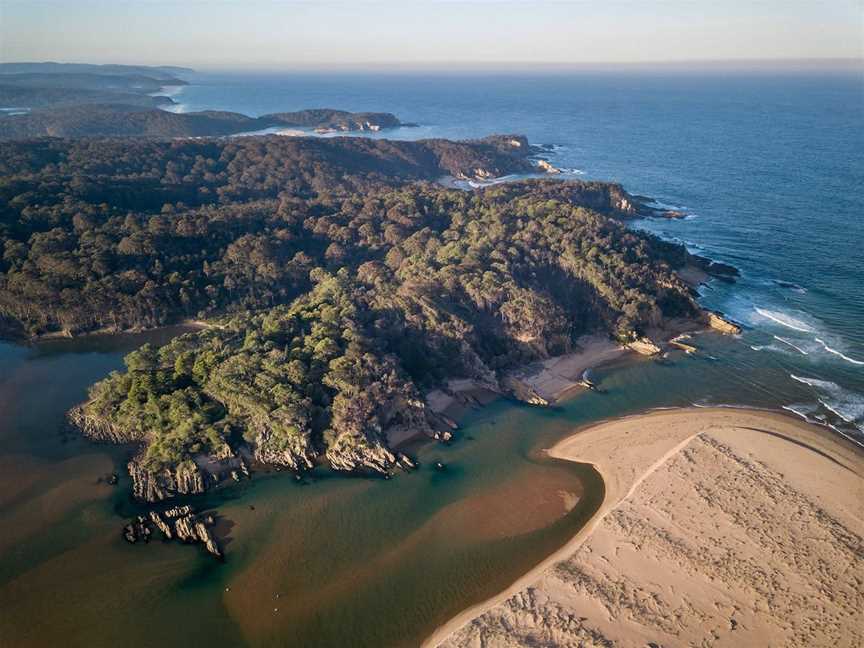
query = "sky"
{"x": 267, "y": 33}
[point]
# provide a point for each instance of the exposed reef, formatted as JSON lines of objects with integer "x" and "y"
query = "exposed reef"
{"x": 176, "y": 523}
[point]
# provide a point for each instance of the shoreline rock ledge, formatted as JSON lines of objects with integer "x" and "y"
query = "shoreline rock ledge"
{"x": 719, "y": 323}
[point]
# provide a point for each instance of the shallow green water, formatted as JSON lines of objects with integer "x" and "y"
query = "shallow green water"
{"x": 335, "y": 561}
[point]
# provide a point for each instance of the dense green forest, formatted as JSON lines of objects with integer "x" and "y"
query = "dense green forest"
{"x": 343, "y": 281}
{"x": 77, "y": 112}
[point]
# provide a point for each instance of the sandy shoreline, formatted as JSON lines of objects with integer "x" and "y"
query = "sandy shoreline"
{"x": 718, "y": 527}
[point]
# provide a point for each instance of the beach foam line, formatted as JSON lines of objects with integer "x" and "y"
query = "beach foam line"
{"x": 838, "y": 353}
{"x": 814, "y": 382}
{"x": 846, "y": 404}
{"x": 803, "y": 410}
{"x": 785, "y": 320}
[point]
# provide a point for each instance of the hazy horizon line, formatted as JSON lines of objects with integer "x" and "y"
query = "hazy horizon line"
{"x": 726, "y": 63}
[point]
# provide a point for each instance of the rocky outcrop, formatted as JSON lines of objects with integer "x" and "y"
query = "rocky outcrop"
{"x": 520, "y": 390}
{"x": 96, "y": 427}
{"x": 154, "y": 486}
{"x": 161, "y": 524}
{"x": 180, "y": 523}
{"x": 719, "y": 323}
{"x": 624, "y": 205}
{"x": 364, "y": 456}
{"x": 270, "y": 449}
{"x": 716, "y": 269}
{"x": 678, "y": 343}
{"x": 547, "y": 166}
{"x": 405, "y": 462}
{"x": 643, "y": 345}
{"x": 328, "y": 120}
{"x": 137, "y": 530}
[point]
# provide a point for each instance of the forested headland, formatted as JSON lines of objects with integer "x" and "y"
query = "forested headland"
{"x": 342, "y": 281}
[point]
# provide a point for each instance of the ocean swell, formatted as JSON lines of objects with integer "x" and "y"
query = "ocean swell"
{"x": 786, "y": 320}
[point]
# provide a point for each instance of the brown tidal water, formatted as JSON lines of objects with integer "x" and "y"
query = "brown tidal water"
{"x": 334, "y": 561}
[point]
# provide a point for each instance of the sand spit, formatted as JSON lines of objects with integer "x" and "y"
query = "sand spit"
{"x": 720, "y": 527}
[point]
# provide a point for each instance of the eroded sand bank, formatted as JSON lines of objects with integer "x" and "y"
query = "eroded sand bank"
{"x": 720, "y": 527}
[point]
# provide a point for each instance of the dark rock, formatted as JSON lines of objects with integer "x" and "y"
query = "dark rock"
{"x": 184, "y": 479}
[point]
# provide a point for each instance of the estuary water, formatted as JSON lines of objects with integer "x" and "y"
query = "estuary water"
{"x": 768, "y": 166}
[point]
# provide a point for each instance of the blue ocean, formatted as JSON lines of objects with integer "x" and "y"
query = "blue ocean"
{"x": 768, "y": 165}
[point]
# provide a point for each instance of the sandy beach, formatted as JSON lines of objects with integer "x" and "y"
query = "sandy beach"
{"x": 554, "y": 378}
{"x": 719, "y": 527}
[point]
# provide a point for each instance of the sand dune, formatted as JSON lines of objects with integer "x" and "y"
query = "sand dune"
{"x": 719, "y": 528}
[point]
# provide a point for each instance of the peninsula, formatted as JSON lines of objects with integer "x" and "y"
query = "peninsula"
{"x": 341, "y": 286}
{"x": 80, "y": 100}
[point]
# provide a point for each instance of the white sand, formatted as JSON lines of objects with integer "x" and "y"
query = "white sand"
{"x": 719, "y": 527}
{"x": 551, "y": 379}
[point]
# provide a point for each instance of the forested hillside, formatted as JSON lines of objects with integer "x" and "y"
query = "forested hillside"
{"x": 80, "y": 112}
{"x": 354, "y": 284}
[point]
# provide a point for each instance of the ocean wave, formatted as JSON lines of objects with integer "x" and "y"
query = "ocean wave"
{"x": 767, "y": 347}
{"x": 839, "y": 353}
{"x": 791, "y": 344}
{"x": 804, "y": 410}
{"x": 784, "y": 319}
{"x": 658, "y": 204}
{"x": 706, "y": 404}
{"x": 789, "y": 285}
{"x": 846, "y": 404}
{"x": 571, "y": 171}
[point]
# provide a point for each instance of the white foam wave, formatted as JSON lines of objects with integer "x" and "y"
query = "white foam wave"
{"x": 839, "y": 353}
{"x": 814, "y": 382}
{"x": 803, "y": 410}
{"x": 658, "y": 204}
{"x": 786, "y": 320}
{"x": 767, "y": 347}
{"x": 791, "y": 344}
{"x": 846, "y": 404}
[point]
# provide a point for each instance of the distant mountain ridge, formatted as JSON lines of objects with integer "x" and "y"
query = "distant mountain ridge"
{"x": 83, "y": 100}
{"x": 36, "y": 86}
{"x": 51, "y": 67}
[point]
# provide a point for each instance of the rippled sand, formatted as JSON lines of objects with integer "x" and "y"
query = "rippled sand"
{"x": 719, "y": 528}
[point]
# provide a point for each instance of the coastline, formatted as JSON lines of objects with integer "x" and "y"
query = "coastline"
{"x": 627, "y": 451}
{"x": 191, "y": 324}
